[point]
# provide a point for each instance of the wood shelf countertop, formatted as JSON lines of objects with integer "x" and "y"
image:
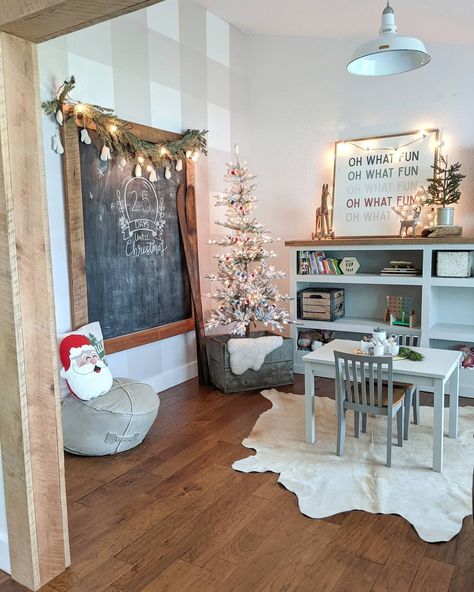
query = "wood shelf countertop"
{"x": 389, "y": 240}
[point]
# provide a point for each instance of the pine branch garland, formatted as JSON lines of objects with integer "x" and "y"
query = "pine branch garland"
{"x": 117, "y": 135}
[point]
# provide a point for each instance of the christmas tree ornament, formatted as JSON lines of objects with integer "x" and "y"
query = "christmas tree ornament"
{"x": 57, "y": 144}
{"x": 195, "y": 156}
{"x": 247, "y": 293}
{"x": 122, "y": 162}
{"x": 59, "y": 116}
{"x": 179, "y": 165}
{"x": 85, "y": 136}
{"x": 138, "y": 170}
{"x": 167, "y": 173}
{"x": 105, "y": 153}
{"x": 189, "y": 153}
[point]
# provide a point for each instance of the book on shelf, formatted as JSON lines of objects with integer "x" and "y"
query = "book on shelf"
{"x": 400, "y": 271}
{"x": 401, "y": 268}
{"x": 316, "y": 263}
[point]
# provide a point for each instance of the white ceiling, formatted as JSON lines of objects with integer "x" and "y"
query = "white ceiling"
{"x": 449, "y": 21}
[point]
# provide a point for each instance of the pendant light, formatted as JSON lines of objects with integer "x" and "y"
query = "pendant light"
{"x": 389, "y": 53}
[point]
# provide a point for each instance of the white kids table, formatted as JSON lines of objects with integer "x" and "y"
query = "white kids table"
{"x": 434, "y": 371}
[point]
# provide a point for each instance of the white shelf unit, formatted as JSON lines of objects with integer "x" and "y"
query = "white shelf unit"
{"x": 444, "y": 306}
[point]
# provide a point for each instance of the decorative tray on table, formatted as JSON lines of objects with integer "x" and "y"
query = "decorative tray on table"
{"x": 359, "y": 352}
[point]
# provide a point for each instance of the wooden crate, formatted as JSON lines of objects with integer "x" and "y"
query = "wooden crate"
{"x": 321, "y": 304}
{"x": 276, "y": 370}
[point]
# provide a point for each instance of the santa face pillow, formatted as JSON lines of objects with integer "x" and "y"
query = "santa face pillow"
{"x": 86, "y": 375}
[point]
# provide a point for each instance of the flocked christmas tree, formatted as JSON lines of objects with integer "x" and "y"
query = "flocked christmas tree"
{"x": 247, "y": 293}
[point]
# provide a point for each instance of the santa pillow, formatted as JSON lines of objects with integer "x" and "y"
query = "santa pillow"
{"x": 86, "y": 375}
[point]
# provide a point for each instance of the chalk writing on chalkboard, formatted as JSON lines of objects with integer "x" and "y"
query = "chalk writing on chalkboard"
{"x": 134, "y": 261}
{"x": 142, "y": 217}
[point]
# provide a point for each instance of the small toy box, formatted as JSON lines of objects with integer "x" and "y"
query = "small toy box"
{"x": 321, "y": 304}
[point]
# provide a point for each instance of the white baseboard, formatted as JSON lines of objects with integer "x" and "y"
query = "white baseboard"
{"x": 172, "y": 377}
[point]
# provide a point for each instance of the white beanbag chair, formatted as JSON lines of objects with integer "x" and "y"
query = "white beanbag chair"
{"x": 111, "y": 423}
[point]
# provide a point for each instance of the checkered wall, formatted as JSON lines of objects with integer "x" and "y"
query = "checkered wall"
{"x": 174, "y": 66}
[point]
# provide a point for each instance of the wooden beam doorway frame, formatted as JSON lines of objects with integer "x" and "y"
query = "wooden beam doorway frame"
{"x": 30, "y": 421}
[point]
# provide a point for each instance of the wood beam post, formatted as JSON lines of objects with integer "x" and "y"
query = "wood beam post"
{"x": 30, "y": 418}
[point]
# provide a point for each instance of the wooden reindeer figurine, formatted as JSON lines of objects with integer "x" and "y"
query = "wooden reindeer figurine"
{"x": 413, "y": 223}
{"x": 322, "y": 226}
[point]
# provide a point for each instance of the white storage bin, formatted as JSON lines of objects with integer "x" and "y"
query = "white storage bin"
{"x": 454, "y": 263}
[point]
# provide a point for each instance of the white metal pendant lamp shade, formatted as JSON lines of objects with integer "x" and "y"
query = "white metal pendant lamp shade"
{"x": 389, "y": 53}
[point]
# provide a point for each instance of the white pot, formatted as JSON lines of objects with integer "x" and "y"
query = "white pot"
{"x": 445, "y": 216}
{"x": 395, "y": 349}
{"x": 379, "y": 350}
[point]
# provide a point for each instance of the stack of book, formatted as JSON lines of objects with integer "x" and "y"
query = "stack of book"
{"x": 316, "y": 263}
{"x": 401, "y": 268}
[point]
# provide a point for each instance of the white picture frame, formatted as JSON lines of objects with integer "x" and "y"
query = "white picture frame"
{"x": 374, "y": 175}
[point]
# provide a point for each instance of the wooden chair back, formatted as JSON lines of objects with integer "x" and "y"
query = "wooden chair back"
{"x": 360, "y": 380}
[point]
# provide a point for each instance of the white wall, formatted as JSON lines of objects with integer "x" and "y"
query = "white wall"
{"x": 302, "y": 100}
{"x": 284, "y": 99}
{"x": 173, "y": 66}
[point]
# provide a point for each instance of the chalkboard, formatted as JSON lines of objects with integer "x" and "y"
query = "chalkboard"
{"x": 134, "y": 270}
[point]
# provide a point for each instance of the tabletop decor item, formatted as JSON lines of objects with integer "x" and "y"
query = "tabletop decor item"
{"x": 373, "y": 176}
{"x": 444, "y": 189}
{"x": 349, "y": 265}
{"x": 440, "y": 231}
{"x": 247, "y": 293}
{"x": 410, "y": 354}
{"x": 322, "y": 225}
{"x": 379, "y": 335}
{"x": 408, "y": 224}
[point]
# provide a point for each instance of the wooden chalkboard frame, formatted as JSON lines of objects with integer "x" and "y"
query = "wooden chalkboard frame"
{"x": 76, "y": 245}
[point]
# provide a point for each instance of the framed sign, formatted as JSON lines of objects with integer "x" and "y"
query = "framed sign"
{"x": 126, "y": 261}
{"x": 374, "y": 175}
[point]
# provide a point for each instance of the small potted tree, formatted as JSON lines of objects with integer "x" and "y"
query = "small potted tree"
{"x": 444, "y": 189}
{"x": 247, "y": 297}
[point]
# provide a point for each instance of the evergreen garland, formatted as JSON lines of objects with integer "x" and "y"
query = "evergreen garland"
{"x": 116, "y": 134}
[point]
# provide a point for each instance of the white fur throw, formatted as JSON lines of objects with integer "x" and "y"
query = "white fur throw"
{"x": 246, "y": 354}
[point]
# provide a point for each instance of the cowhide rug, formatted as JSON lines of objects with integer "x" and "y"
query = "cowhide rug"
{"x": 326, "y": 484}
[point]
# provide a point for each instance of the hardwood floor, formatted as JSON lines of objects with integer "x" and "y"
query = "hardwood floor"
{"x": 172, "y": 515}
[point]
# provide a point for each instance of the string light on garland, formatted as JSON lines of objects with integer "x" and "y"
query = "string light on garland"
{"x": 421, "y": 135}
{"x": 116, "y": 136}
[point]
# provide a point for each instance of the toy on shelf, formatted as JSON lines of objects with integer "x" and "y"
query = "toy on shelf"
{"x": 467, "y": 356}
{"x": 313, "y": 340}
{"x": 400, "y": 311}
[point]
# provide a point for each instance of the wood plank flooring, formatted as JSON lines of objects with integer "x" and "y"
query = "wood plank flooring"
{"x": 172, "y": 516}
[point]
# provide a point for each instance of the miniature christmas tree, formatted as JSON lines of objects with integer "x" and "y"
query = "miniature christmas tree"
{"x": 444, "y": 188}
{"x": 247, "y": 292}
